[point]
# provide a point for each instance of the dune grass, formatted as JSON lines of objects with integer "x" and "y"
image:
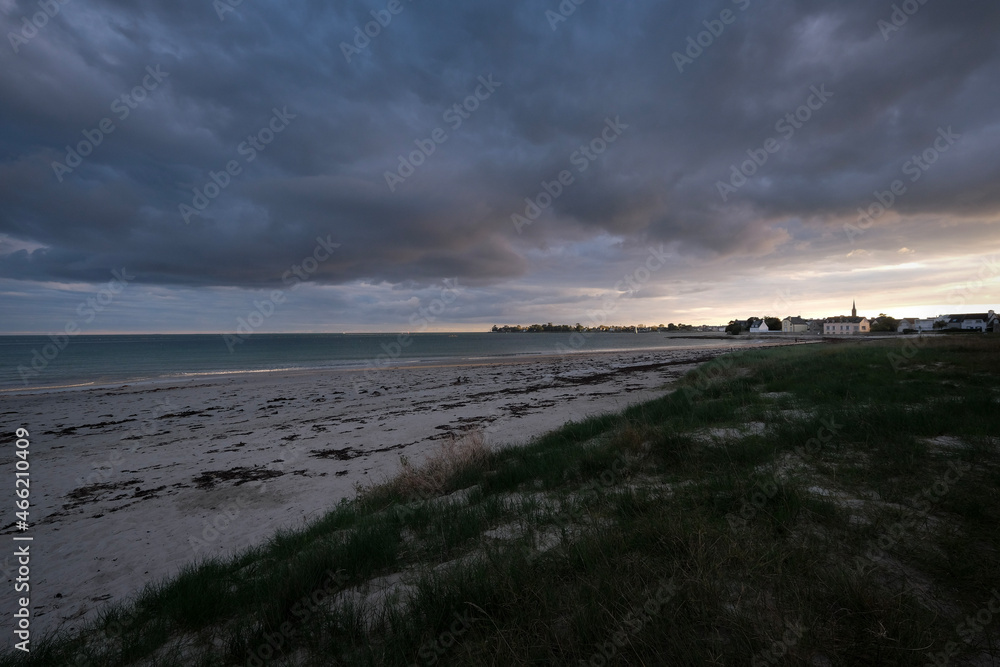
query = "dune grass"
{"x": 821, "y": 504}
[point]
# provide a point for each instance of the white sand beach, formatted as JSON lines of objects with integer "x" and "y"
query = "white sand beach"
{"x": 129, "y": 483}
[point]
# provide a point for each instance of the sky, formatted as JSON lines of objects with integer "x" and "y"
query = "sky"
{"x": 389, "y": 165}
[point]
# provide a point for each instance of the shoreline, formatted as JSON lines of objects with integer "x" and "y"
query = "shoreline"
{"x": 375, "y": 365}
{"x": 396, "y": 365}
{"x": 132, "y": 483}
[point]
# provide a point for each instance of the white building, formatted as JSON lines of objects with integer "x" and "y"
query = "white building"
{"x": 835, "y": 326}
{"x": 971, "y": 321}
{"x": 929, "y": 323}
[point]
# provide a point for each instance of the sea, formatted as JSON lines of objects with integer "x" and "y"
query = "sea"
{"x": 37, "y": 362}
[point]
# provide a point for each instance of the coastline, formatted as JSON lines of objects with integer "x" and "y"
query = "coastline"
{"x": 132, "y": 482}
{"x": 35, "y": 363}
{"x": 377, "y": 366}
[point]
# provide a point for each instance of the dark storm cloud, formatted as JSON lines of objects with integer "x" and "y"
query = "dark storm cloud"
{"x": 348, "y": 122}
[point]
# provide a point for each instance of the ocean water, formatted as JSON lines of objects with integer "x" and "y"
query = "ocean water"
{"x": 28, "y": 362}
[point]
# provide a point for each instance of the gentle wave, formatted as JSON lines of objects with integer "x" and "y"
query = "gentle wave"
{"x": 108, "y": 360}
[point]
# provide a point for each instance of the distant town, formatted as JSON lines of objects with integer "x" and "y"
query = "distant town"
{"x": 840, "y": 325}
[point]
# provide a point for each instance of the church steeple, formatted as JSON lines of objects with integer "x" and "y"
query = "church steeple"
{"x": 854, "y": 309}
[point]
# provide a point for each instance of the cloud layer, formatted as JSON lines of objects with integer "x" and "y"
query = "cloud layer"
{"x": 741, "y": 136}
